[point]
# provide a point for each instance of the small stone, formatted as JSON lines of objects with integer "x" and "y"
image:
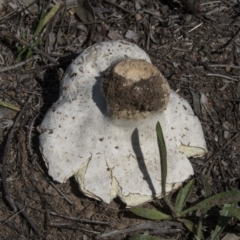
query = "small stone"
{"x": 138, "y": 17}
{"x": 228, "y": 68}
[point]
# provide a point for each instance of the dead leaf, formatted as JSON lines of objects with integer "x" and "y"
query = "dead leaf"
{"x": 114, "y": 35}
{"x": 196, "y": 102}
{"x": 86, "y": 13}
{"x": 231, "y": 236}
{"x": 132, "y": 35}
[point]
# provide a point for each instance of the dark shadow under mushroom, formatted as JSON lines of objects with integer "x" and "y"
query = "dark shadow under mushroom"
{"x": 140, "y": 159}
{"x": 98, "y": 96}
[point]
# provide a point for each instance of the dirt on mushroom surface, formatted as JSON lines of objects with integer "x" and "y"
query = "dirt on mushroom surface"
{"x": 198, "y": 52}
{"x": 148, "y": 93}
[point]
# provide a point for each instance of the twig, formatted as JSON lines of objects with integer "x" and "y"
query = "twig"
{"x": 32, "y": 180}
{"x": 194, "y": 28}
{"x": 82, "y": 220}
{"x": 232, "y": 100}
{"x": 221, "y": 76}
{"x": 229, "y": 42}
{"x": 216, "y": 153}
{"x": 14, "y": 204}
{"x": 182, "y": 50}
{"x": 223, "y": 65}
{"x": 9, "y": 15}
{"x": 15, "y": 38}
{"x": 39, "y": 68}
{"x": 162, "y": 227}
{"x": 156, "y": 14}
{"x": 13, "y": 226}
{"x": 30, "y": 135}
{"x": 213, "y": 65}
{"x": 214, "y": 10}
{"x": 5, "y": 69}
{"x": 70, "y": 226}
{"x": 5, "y": 156}
{"x": 11, "y": 97}
{"x": 227, "y": 3}
{"x": 116, "y": 5}
{"x": 15, "y": 214}
{"x": 29, "y": 220}
{"x": 53, "y": 185}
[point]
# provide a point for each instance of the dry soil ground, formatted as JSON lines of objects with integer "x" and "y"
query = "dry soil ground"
{"x": 196, "y": 47}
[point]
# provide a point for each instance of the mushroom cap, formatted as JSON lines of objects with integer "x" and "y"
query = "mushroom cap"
{"x": 134, "y": 89}
{"x": 117, "y": 157}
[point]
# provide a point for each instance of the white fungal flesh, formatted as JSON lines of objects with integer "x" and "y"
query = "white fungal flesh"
{"x": 78, "y": 137}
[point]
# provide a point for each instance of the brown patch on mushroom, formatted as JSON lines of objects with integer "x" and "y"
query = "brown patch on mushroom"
{"x": 135, "y": 88}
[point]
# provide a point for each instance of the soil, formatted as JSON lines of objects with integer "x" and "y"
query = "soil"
{"x": 195, "y": 46}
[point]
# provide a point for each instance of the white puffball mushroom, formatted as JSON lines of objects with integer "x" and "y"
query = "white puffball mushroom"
{"x": 102, "y": 128}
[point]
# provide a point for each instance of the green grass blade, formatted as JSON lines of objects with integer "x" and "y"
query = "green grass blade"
{"x": 149, "y": 213}
{"x": 163, "y": 162}
{"x": 30, "y": 50}
{"x": 21, "y": 49}
{"x": 163, "y": 155}
{"x": 187, "y": 223}
{"x": 43, "y": 9}
{"x": 29, "y": 53}
{"x": 183, "y": 196}
{"x": 43, "y": 21}
{"x": 218, "y": 199}
{"x": 234, "y": 212}
{"x": 223, "y": 220}
{"x": 146, "y": 237}
{"x": 8, "y": 105}
{"x": 198, "y": 231}
{"x": 206, "y": 186}
{"x": 208, "y": 193}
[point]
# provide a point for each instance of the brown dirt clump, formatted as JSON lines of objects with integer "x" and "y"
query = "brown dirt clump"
{"x": 132, "y": 92}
